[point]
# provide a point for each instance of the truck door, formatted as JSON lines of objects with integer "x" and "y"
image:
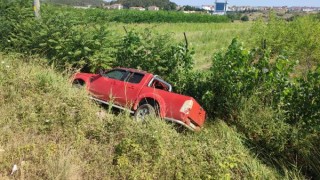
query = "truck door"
{"x": 102, "y": 86}
{"x": 128, "y": 90}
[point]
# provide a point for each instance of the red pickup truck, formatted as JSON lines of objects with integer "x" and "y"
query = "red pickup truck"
{"x": 142, "y": 94}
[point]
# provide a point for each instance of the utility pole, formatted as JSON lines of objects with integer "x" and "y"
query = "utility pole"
{"x": 36, "y": 8}
{"x": 225, "y": 7}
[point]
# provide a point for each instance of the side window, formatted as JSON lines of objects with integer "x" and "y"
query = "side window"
{"x": 135, "y": 78}
{"x": 159, "y": 85}
{"x": 117, "y": 74}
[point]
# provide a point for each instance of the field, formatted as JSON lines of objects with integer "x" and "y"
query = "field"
{"x": 205, "y": 38}
{"x": 259, "y": 83}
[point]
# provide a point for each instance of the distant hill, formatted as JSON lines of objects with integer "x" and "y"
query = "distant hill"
{"x": 162, "y": 4}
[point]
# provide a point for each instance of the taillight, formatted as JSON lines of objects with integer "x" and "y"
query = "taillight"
{"x": 186, "y": 107}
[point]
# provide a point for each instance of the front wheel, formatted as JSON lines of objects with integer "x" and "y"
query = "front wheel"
{"x": 144, "y": 112}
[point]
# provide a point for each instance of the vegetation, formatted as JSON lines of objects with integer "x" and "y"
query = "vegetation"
{"x": 65, "y": 41}
{"x": 297, "y": 39}
{"x": 270, "y": 99}
{"x": 162, "y": 4}
{"x": 234, "y": 16}
{"x": 245, "y": 18}
{"x": 204, "y": 39}
{"x": 191, "y": 8}
{"x": 154, "y": 53}
{"x": 131, "y": 16}
{"x": 97, "y": 3}
{"x": 53, "y": 131}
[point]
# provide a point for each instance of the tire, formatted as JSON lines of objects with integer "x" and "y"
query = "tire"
{"x": 144, "y": 112}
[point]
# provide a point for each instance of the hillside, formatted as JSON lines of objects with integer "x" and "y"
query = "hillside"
{"x": 258, "y": 82}
{"x": 53, "y": 131}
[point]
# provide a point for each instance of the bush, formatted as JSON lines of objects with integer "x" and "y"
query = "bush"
{"x": 12, "y": 13}
{"x": 297, "y": 38}
{"x": 155, "y": 53}
{"x": 238, "y": 74}
{"x": 58, "y": 36}
{"x": 257, "y": 92}
{"x": 245, "y": 18}
{"x": 283, "y": 119}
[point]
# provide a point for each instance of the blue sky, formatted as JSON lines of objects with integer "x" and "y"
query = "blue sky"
{"x": 315, "y": 3}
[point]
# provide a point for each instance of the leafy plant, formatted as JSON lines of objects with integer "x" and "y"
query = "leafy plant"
{"x": 298, "y": 38}
{"x": 60, "y": 36}
{"x": 154, "y": 53}
{"x": 244, "y": 18}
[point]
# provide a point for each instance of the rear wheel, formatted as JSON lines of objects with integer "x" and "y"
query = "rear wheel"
{"x": 144, "y": 112}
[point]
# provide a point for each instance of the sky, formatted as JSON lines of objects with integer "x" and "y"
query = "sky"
{"x": 309, "y": 3}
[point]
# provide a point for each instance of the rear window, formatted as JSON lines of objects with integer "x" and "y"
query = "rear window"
{"x": 135, "y": 78}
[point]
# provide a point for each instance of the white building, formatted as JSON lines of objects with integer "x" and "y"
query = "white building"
{"x": 114, "y": 6}
{"x": 208, "y": 7}
{"x": 82, "y": 7}
{"x": 153, "y": 8}
{"x": 138, "y": 8}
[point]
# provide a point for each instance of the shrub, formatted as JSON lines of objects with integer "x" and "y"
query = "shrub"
{"x": 245, "y": 18}
{"x": 265, "y": 126}
{"x": 297, "y": 38}
{"x": 239, "y": 73}
{"x": 154, "y": 53}
{"x": 284, "y": 118}
{"x": 13, "y": 13}
{"x": 59, "y": 36}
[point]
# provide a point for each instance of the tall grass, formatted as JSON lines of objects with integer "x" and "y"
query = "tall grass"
{"x": 53, "y": 131}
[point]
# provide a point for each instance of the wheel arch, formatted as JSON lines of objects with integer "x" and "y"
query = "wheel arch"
{"x": 83, "y": 78}
{"x": 79, "y": 81}
{"x": 154, "y": 101}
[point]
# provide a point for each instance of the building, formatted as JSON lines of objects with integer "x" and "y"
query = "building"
{"x": 153, "y": 8}
{"x": 208, "y": 7}
{"x": 114, "y": 6}
{"x": 82, "y": 7}
{"x": 220, "y": 8}
{"x": 138, "y": 8}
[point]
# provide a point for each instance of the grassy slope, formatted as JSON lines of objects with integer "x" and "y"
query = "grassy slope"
{"x": 52, "y": 131}
{"x": 205, "y": 38}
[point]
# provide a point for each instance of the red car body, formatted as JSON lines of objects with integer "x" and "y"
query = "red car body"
{"x": 130, "y": 88}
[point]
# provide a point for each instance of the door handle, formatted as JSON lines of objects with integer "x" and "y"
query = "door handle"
{"x": 130, "y": 87}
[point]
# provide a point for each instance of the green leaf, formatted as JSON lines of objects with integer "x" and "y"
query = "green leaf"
{"x": 87, "y": 49}
{"x": 77, "y": 53}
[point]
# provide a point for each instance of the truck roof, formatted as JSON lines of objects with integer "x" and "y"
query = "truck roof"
{"x": 133, "y": 70}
